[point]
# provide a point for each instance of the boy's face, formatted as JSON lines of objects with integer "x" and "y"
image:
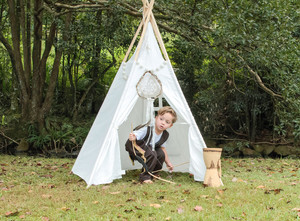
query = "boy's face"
{"x": 163, "y": 122}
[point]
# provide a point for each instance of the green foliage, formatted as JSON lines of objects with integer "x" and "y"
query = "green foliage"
{"x": 58, "y": 136}
{"x": 5, "y": 79}
{"x": 38, "y": 141}
{"x": 216, "y": 48}
{"x": 219, "y": 69}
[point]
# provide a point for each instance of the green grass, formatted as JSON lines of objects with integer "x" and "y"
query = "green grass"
{"x": 34, "y": 188}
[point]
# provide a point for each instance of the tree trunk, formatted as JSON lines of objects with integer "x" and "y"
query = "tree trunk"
{"x": 254, "y": 123}
{"x": 35, "y": 98}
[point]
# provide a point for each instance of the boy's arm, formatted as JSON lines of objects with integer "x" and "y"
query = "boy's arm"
{"x": 167, "y": 161}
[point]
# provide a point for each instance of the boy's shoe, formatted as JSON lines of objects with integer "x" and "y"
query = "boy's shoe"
{"x": 147, "y": 181}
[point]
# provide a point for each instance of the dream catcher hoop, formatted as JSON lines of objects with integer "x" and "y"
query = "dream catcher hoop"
{"x": 149, "y": 87}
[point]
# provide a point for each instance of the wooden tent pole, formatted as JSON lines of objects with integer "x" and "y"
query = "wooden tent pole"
{"x": 145, "y": 14}
{"x": 133, "y": 40}
{"x": 144, "y": 8}
{"x": 144, "y": 29}
{"x": 158, "y": 36}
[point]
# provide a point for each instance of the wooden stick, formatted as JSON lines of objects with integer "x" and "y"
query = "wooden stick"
{"x": 149, "y": 11}
{"x": 145, "y": 13}
{"x": 158, "y": 37}
{"x": 2, "y": 133}
{"x": 173, "y": 167}
{"x": 133, "y": 40}
{"x": 168, "y": 181}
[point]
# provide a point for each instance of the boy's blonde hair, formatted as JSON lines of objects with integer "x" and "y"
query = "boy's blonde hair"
{"x": 168, "y": 109}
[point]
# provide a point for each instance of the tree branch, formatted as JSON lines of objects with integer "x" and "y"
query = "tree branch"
{"x": 258, "y": 79}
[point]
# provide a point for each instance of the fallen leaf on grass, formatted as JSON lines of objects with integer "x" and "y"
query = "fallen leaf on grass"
{"x": 65, "y": 208}
{"x": 168, "y": 218}
{"x": 166, "y": 201}
{"x": 234, "y": 179}
{"x": 51, "y": 186}
{"x": 276, "y": 191}
{"x": 260, "y": 187}
{"x": 204, "y": 196}
{"x": 219, "y": 204}
{"x": 46, "y": 196}
{"x": 155, "y": 205}
{"x": 7, "y": 214}
{"x": 180, "y": 210}
{"x": 160, "y": 191}
{"x": 221, "y": 191}
{"x": 22, "y": 217}
{"x": 138, "y": 208}
{"x": 65, "y": 165}
{"x": 115, "y": 193}
{"x": 198, "y": 208}
{"x": 47, "y": 176}
{"x": 296, "y": 209}
{"x": 95, "y": 202}
{"x": 186, "y": 192}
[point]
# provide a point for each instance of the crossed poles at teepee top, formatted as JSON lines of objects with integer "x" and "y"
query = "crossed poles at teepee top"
{"x": 147, "y": 16}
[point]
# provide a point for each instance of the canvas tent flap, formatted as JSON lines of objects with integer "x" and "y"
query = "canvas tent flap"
{"x": 103, "y": 157}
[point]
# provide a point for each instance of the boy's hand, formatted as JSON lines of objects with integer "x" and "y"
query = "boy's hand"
{"x": 170, "y": 166}
{"x": 132, "y": 137}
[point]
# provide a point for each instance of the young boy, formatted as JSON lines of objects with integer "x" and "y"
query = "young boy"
{"x": 165, "y": 118}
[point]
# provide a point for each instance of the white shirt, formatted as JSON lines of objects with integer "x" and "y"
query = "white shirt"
{"x": 141, "y": 133}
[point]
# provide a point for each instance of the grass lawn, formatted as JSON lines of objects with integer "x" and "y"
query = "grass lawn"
{"x": 33, "y": 188}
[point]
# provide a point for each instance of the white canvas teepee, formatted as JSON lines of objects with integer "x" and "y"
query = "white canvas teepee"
{"x": 103, "y": 158}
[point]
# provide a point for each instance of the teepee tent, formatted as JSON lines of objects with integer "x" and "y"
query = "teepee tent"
{"x": 103, "y": 158}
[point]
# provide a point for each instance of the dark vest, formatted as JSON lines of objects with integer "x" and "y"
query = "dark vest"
{"x": 143, "y": 142}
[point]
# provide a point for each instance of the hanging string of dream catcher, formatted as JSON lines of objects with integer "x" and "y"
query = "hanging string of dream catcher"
{"x": 149, "y": 87}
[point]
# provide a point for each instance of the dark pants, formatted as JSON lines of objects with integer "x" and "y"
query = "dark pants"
{"x": 154, "y": 162}
{"x": 154, "y": 159}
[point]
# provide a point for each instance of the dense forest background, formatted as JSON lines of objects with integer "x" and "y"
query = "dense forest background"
{"x": 237, "y": 63}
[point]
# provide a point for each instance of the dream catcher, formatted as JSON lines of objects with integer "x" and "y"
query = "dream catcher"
{"x": 149, "y": 87}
